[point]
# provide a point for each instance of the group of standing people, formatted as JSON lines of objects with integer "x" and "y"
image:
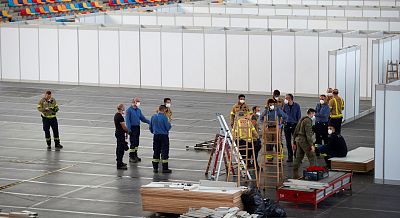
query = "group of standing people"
{"x": 324, "y": 121}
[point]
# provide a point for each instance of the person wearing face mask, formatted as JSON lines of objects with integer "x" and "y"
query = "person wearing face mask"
{"x": 268, "y": 120}
{"x": 303, "y": 142}
{"x": 336, "y": 106}
{"x": 133, "y": 117}
{"x": 329, "y": 94}
{"x": 239, "y": 106}
{"x": 168, "y": 112}
{"x": 293, "y": 115}
{"x": 120, "y": 133}
{"x": 335, "y": 146}
{"x": 255, "y": 121}
{"x": 321, "y": 120}
{"x": 278, "y": 101}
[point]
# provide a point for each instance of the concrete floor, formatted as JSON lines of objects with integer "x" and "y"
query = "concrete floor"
{"x": 82, "y": 179}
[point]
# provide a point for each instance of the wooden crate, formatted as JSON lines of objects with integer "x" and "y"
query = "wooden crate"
{"x": 358, "y": 160}
{"x": 178, "y": 201}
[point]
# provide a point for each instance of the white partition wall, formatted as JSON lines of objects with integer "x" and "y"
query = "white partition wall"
{"x": 48, "y": 53}
{"x": 88, "y": 54}
{"x": 10, "y": 66}
{"x": 171, "y": 56}
{"x": 68, "y": 54}
{"x": 109, "y": 56}
{"x": 283, "y": 61}
{"x": 129, "y": 56}
{"x": 215, "y": 59}
{"x": 150, "y": 57}
{"x": 386, "y": 134}
{"x": 237, "y": 51}
{"x": 345, "y": 68}
{"x": 193, "y": 59}
{"x": 28, "y": 54}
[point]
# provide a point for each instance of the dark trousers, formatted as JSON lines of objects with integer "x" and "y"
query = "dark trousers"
{"x": 337, "y": 123}
{"x": 134, "y": 140}
{"x": 321, "y": 132}
{"x": 47, "y": 123}
{"x": 160, "y": 147}
{"x": 257, "y": 148}
{"x": 120, "y": 150}
{"x": 289, "y": 131}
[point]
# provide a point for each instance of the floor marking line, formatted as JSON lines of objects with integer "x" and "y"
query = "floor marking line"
{"x": 375, "y": 210}
{"x": 50, "y": 198}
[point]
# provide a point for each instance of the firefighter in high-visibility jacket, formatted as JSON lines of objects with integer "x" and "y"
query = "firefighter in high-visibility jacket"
{"x": 245, "y": 133}
{"x": 239, "y": 106}
{"x": 48, "y": 108}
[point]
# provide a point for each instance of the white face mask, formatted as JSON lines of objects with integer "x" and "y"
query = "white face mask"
{"x": 258, "y": 113}
{"x": 138, "y": 104}
{"x": 312, "y": 118}
{"x": 241, "y": 101}
{"x": 321, "y": 101}
{"x": 329, "y": 94}
{"x": 168, "y": 105}
{"x": 286, "y": 101}
{"x": 330, "y": 131}
{"x": 272, "y": 107}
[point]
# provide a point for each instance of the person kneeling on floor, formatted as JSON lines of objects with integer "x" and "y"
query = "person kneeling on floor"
{"x": 336, "y": 146}
{"x": 159, "y": 126}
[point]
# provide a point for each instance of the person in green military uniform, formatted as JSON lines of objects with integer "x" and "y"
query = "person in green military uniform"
{"x": 303, "y": 142}
{"x": 48, "y": 108}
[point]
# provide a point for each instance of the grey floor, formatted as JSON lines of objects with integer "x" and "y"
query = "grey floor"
{"x": 82, "y": 179}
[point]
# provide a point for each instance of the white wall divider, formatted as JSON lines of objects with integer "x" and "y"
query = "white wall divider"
{"x": 29, "y": 56}
{"x": 88, "y": 37}
{"x": 48, "y": 53}
{"x": 237, "y": 47}
{"x": 283, "y": 61}
{"x": 129, "y": 56}
{"x": 215, "y": 59}
{"x": 10, "y": 65}
{"x": 68, "y": 56}
{"x": 193, "y": 65}
{"x": 386, "y": 49}
{"x": 320, "y": 2}
{"x": 346, "y": 72}
{"x": 386, "y": 132}
{"x": 150, "y": 57}
{"x": 109, "y": 56}
{"x": 171, "y": 56}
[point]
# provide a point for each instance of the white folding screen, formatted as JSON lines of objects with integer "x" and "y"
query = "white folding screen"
{"x": 10, "y": 66}
{"x": 48, "y": 53}
{"x": 129, "y": 56}
{"x": 215, "y": 60}
{"x": 327, "y": 42}
{"x": 88, "y": 55}
{"x": 237, "y": 61}
{"x": 109, "y": 56}
{"x": 29, "y": 57}
{"x": 260, "y": 62}
{"x": 193, "y": 59}
{"x": 150, "y": 56}
{"x": 283, "y": 62}
{"x": 68, "y": 54}
{"x": 171, "y": 56}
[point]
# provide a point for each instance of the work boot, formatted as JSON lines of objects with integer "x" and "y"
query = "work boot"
{"x": 122, "y": 167}
{"x": 155, "y": 167}
{"x": 49, "y": 147}
{"x": 165, "y": 168}
{"x": 133, "y": 160}
{"x": 289, "y": 160}
{"x": 58, "y": 146}
{"x": 138, "y": 159}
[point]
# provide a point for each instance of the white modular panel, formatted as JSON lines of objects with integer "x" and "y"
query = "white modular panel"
{"x": 395, "y": 49}
{"x": 394, "y": 26}
{"x": 353, "y": 13}
{"x": 301, "y": 11}
{"x": 68, "y": 58}
{"x": 217, "y": 9}
{"x": 279, "y": 2}
{"x": 166, "y": 20}
{"x": 355, "y": 3}
{"x": 88, "y": 56}
{"x": 215, "y": 61}
{"x": 203, "y": 20}
{"x": 391, "y": 149}
{"x": 184, "y": 20}
{"x": 297, "y": 23}
{"x": 337, "y": 24}
{"x": 387, "y": 3}
{"x": 101, "y": 19}
{"x": 372, "y": 3}
{"x": 148, "y": 19}
{"x": 326, "y": 44}
{"x": 276, "y": 22}
{"x": 113, "y": 19}
{"x": 233, "y": 10}
{"x": 350, "y": 85}
{"x": 171, "y": 54}
{"x": 265, "y": 2}
{"x": 250, "y": 10}
{"x": 357, "y": 93}
{"x": 193, "y": 60}
{"x": 363, "y": 43}
{"x": 371, "y": 13}
{"x": 260, "y": 63}
{"x": 310, "y": 2}
{"x": 237, "y": 62}
{"x": 357, "y": 25}
{"x": 390, "y": 13}
{"x": 150, "y": 51}
{"x": 379, "y": 25}
{"x": 375, "y": 69}
{"x": 239, "y": 22}
{"x": 131, "y": 19}
{"x": 29, "y": 58}
{"x": 90, "y": 19}
{"x": 283, "y": 11}
{"x": 294, "y": 2}
{"x": 370, "y": 65}
{"x": 335, "y": 13}
{"x": 326, "y": 2}
{"x": 109, "y": 57}
{"x": 10, "y": 53}
{"x": 317, "y": 24}
{"x": 283, "y": 63}
{"x": 306, "y": 64}
{"x": 220, "y": 21}
{"x": 48, "y": 53}
{"x": 268, "y": 11}
{"x": 129, "y": 58}
{"x": 387, "y": 53}
{"x": 381, "y": 62}
{"x": 332, "y": 69}
{"x": 185, "y": 8}
{"x": 201, "y": 9}
{"x": 340, "y": 75}
{"x": 258, "y": 22}
{"x": 318, "y": 12}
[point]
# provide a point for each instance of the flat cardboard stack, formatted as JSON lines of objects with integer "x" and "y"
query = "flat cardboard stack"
{"x": 221, "y": 212}
{"x": 177, "y": 198}
{"x": 358, "y": 160}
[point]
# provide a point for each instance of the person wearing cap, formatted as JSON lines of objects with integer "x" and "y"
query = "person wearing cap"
{"x": 336, "y": 106}
{"x": 239, "y": 106}
{"x": 334, "y": 147}
{"x": 48, "y": 108}
{"x": 120, "y": 132}
{"x": 133, "y": 118}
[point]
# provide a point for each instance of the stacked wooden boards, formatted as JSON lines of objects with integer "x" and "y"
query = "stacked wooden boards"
{"x": 178, "y": 199}
{"x": 358, "y": 160}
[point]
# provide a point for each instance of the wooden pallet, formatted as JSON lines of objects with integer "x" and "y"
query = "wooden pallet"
{"x": 358, "y": 160}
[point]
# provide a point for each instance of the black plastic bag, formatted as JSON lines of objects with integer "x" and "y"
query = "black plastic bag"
{"x": 253, "y": 202}
{"x": 272, "y": 209}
